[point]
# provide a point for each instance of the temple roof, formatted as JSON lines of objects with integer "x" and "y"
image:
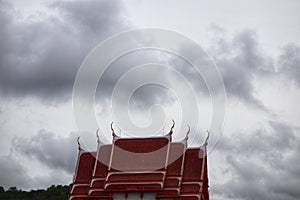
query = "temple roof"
{"x": 170, "y": 169}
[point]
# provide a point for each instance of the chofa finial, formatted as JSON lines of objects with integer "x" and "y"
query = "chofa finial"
{"x": 187, "y": 133}
{"x": 78, "y": 142}
{"x": 207, "y": 138}
{"x": 97, "y": 135}
{"x": 112, "y": 129}
{"x": 172, "y": 127}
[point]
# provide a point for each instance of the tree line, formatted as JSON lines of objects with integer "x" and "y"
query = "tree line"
{"x": 57, "y": 192}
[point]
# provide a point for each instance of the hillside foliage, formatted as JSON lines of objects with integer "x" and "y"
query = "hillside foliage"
{"x": 58, "y": 192}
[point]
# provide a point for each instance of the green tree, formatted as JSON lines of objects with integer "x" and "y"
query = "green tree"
{"x": 58, "y": 192}
{"x": 12, "y": 189}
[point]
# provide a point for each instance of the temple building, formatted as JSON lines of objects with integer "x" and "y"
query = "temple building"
{"x": 142, "y": 168}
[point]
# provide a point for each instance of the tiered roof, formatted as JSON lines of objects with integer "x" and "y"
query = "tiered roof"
{"x": 168, "y": 169}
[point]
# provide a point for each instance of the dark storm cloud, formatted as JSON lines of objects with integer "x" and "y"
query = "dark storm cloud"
{"x": 55, "y": 152}
{"x": 40, "y": 55}
{"x": 263, "y": 165}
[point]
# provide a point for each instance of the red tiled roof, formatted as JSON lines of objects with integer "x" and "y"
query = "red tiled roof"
{"x": 169, "y": 169}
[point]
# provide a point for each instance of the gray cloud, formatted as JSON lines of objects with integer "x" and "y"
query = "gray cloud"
{"x": 12, "y": 172}
{"x": 145, "y": 96}
{"x": 262, "y": 165}
{"x": 15, "y": 174}
{"x": 240, "y": 60}
{"x": 41, "y": 54}
{"x": 55, "y": 152}
{"x": 289, "y": 63}
{"x": 93, "y": 19}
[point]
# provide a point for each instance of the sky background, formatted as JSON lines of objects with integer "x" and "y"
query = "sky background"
{"x": 255, "y": 45}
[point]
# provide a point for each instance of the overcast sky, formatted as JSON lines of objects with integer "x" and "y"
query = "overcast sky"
{"x": 254, "y": 44}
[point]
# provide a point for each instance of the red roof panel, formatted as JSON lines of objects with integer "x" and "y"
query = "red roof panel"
{"x": 140, "y": 154}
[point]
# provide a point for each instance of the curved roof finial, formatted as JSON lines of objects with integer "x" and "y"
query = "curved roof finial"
{"x": 207, "y": 138}
{"x": 78, "y": 142}
{"x": 172, "y": 127}
{"x": 187, "y": 133}
{"x": 97, "y": 135}
{"x": 112, "y": 129}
